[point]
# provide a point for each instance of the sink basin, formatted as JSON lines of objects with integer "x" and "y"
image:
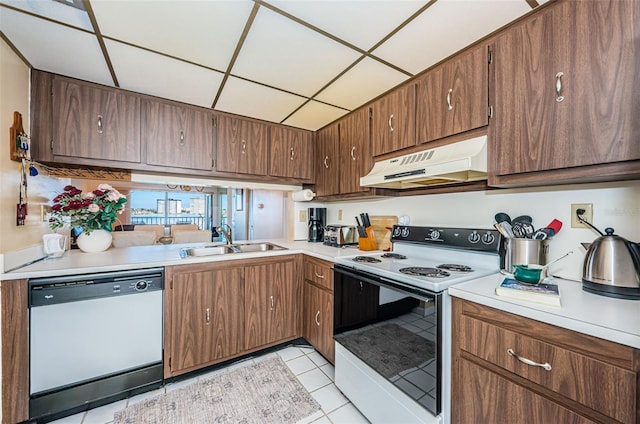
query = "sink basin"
{"x": 206, "y": 251}
{"x": 258, "y": 247}
{"x": 225, "y": 249}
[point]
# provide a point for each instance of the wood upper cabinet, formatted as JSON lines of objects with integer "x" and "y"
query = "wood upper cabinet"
{"x": 393, "y": 121}
{"x": 317, "y": 309}
{"x": 242, "y": 146}
{"x": 327, "y": 161}
{"x": 204, "y": 315}
{"x": 355, "y": 151}
{"x": 566, "y": 92}
{"x": 291, "y": 153}
{"x": 94, "y": 122}
{"x": 177, "y": 136}
{"x": 453, "y": 97}
{"x": 271, "y": 296}
{"x": 495, "y": 377}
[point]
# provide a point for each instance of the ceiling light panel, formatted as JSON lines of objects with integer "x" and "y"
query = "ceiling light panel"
{"x": 150, "y": 73}
{"x": 361, "y": 83}
{"x": 204, "y": 32}
{"x": 257, "y": 101}
{"x": 66, "y": 51}
{"x": 314, "y": 115}
{"x": 53, "y": 10}
{"x": 446, "y": 27}
{"x": 362, "y": 24}
{"x": 284, "y": 54}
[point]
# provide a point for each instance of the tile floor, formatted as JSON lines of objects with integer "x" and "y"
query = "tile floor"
{"x": 313, "y": 371}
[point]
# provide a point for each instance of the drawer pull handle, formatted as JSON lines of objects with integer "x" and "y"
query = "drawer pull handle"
{"x": 208, "y": 316}
{"x": 391, "y": 123}
{"x": 316, "y": 318}
{"x": 326, "y": 165}
{"x": 559, "y": 96}
{"x": 546, "y": 365}
{"x": 100, "y": 124}
{"x": 272, "y": 302}
{"x": 449, "y": 106}
{"x": 318, "y": 275}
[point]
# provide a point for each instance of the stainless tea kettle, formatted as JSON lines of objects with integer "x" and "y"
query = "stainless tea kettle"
{"x": 612, "y": 267}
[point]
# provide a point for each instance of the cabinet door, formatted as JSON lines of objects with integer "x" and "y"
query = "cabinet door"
{"x": 177, "y": 136}
{"x": 566, "y": 89}
{"x": 242, "y": 146}
{"x": 393, "y": 121}
{"x": 271, "y": 291}
{"x": 318, "y": 320}
{"x": 291, "y": 153}
{"x": 327, "y": 160}
{"x": 485, "y": 397}
{"x": 206, "y": 319}
{"x": 453, "y": 98}
{"x": 95, "y": 123}
{"x": 355, "y": 151}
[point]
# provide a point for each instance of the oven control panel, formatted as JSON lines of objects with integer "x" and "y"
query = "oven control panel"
{"x": 468, "y": 238}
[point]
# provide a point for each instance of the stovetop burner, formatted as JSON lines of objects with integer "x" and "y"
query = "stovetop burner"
{"x": 393, "y": 255}
{"x": 425, "y": 272}
{"x": 369, "y": 259}
{"x": 456, "y": 267}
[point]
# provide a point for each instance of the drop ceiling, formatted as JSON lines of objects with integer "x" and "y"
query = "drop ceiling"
{"x": 302, "y": 63}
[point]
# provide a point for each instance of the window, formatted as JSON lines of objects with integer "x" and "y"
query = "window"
{"x": 171, "y": 207}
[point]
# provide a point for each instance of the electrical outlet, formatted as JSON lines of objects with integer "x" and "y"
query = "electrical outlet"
{"x": 587, "y": 216}
{"x": 303, "y": 216}
{"x": 339, "y": 214}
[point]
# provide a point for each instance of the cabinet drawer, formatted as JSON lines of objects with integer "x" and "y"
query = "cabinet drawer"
{"x": 318, "y": 272}
{"x": 596, "y": 384}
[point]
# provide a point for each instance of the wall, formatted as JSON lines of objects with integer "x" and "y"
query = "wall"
{"x": 14, "y": 96}
{"x": 615, "y": 205}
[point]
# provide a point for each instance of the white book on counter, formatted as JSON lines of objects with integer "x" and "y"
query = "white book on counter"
{"x": 545, "y": 293}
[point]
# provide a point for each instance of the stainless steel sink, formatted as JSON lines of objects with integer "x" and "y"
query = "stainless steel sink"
{"x": 258, "y": 247}
{"x": 206, "y": 250}
{"x": 226, "y": 249}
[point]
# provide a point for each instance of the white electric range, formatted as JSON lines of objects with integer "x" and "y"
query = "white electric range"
{"x": 392, "y": 320}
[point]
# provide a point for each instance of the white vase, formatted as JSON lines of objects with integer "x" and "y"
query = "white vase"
{"x": 97, "y": 241}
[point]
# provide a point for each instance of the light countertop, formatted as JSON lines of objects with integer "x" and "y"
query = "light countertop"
{"x": 617, "y": 320}
{"x": 136, "y": 257}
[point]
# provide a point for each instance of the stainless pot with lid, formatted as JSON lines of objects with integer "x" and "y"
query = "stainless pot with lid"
{"x": 612, "y": 267}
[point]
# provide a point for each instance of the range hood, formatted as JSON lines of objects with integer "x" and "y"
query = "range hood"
{"x": 458, "y": 162}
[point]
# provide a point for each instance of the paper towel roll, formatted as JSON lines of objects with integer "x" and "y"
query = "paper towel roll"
{"x": 303, "y": 195}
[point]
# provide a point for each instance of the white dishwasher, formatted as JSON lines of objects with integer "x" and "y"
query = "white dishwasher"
{"x": 94, "y": 338}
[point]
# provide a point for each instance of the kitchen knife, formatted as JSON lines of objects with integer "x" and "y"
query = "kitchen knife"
{"x": 366, "y": 221}
{"x": 361, "y": 230}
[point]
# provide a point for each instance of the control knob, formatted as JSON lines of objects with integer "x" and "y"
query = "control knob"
{"x": 474, "y": 237}
{"x": 488, "y": 238}
{"x": 142, "y": 285}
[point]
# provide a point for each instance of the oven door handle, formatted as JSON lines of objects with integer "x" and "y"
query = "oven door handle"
{"x": 384, "y": 282}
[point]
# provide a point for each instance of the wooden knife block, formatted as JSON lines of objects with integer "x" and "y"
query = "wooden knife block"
{"x": 369, "y": 242}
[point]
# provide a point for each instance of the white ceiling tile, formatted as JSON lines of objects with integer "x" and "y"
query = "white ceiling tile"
{"x": 54, "y": 10}
{"x": 249, "y": 99}
{"x": 66, "y": 51}
{"x": 281, "y": 53}
{"x": 360, "y": 23}
{"x": 446, "y": 27}
{"x": 314, "y": 115}
{"x": 204, "y": 32}
{"x": 150, "y": 73}
{"x": 363, "y": 82}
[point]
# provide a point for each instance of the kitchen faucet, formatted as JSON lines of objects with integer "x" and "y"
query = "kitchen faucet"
{"x": 225, "y": 229}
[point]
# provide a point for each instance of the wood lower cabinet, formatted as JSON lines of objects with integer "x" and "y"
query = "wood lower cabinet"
{"x": 578, "y": 379}
{"x": 242, "y": 146}
{"x": 291, "y": 153}
{"x": 453, "y": 97}
{"x": 270, "y": 297}
{"x": 204, "y": 315}
{"x": 393, "y": 124}
{"x": 219, "y": 310}
{"x": 565, "y": 95}
{"x": 15, "y": 351}
{"x": 317, "y": 309}
{"x": 177, "y": 136}
{"x": 94, "y": 122}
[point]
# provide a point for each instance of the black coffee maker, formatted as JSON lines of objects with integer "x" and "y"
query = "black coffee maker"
{"x": 317, "y": 221}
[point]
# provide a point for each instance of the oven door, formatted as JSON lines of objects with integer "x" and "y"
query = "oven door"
{"x": 394, "y": 329}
